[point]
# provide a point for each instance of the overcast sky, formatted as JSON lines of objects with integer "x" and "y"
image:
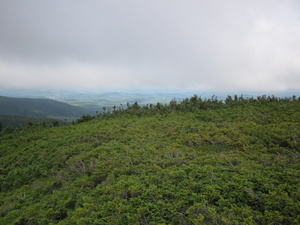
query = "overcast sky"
{"x": 190, "y": 44}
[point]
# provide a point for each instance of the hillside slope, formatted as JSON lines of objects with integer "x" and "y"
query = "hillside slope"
{"x": 194, "y": 162}
{"x": 30, "y": 107}
{"x": 10, "y": 123}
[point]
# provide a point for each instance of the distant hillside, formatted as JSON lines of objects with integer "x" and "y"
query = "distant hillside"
{"x": 46, "y": 108}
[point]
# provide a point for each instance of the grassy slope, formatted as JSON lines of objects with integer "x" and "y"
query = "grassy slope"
{"x": 238, "y": 164}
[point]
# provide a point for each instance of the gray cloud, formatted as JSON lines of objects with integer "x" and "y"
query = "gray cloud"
{"x": 229, "y": 45}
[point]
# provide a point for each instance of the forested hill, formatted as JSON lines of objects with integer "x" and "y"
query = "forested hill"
{"x": 31, "y": 107}
{"x": 198, "y": 161}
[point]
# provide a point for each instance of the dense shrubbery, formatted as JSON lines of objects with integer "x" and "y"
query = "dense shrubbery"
{"x": 190, "y": 162}
{"x": 193, "y": 104}
{"x": 9, "y": 123}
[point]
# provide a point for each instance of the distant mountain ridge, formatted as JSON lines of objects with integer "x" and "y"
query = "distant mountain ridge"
{"x": 37, "y": 107}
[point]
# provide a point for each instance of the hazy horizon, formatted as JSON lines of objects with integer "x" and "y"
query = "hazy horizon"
{"x": 42, "y": 92}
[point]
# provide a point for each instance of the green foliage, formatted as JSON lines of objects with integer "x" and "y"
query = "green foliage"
{"x": 190, "y": 162}
{"x": 85, "y": 118}
{"x": 15, "y": 122}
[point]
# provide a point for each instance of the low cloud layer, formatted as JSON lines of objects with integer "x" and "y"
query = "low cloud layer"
{"x": 216, "y": 45}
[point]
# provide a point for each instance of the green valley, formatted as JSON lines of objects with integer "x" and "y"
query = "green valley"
{"x": 195, "y": 161}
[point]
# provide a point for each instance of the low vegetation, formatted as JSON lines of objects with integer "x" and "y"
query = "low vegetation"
{"x": 198, "y": 161}
{"x": 9, "y": 123}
